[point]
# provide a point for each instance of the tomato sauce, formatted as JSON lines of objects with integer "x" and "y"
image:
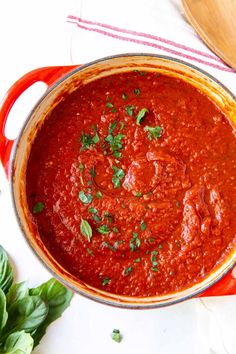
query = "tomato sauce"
{"x": 131, "y": 184}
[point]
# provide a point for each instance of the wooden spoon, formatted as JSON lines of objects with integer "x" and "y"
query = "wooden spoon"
{"x": 215, "y": 23}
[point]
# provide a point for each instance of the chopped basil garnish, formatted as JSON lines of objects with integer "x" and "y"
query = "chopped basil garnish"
{"x": 108, "y": 246}
{"x": 116, "y": 336}
{"x": 86, "y": 199}
{"x": 104, "y": 229}
{"x": 134, "y": 242}
{"x": 154, "y": 269}
{"x": 108, "y": 216}
{"x": 129, "y": 110}
{"x": 124, "y": 96}
{"x": 128, "y": 270}
{"x": 99, "y": 195}
{"x": 141, "y": 115}
{"x": 93, "y": 210}
{"x": 105, "y": 281}
{"x": 137, "y": 260}
{"x": 81, "y": 167}
{"x": 122, "y": 125}
{"x": 136, "y": 91}
{"x": 90, "y": 252}
{"x": 115, "y": 230}
{"x": 112, "y": 127}
{"x": 117, "y": 176}
{"x": 153, "y": 132}
{"x": 87, "y": 140}
{"x": 160, "y": 246}
{"x": 143, "y": 225}
{"x": 110, "y": 105}
{"x": 115, "y": 143}
{"x": 151, "y": 239}
{"x": 138, "y": 194}
{"x": 154, "y": 259}
{"x": 92, "y": 172}
{"x": 86, "y": 229}
{"x": 38, "y": 208}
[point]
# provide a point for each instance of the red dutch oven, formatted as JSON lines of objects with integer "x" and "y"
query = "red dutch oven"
{"x": 14, "y": 155}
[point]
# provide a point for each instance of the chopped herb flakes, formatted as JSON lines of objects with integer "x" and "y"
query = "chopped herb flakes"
{"x": 143, "y": 225}
{"x": 115, "y": 230}
{"x": 104, "y": 229}
{"x": 134, "y": 242}
{"x": 141, "y": 73}
{"x": 92, "y": 172}
{"x": 154, "y": 260}
{"x": 112, "y": 127}
{"x": 38, "y": 208}
{"x": 109, "y": 217}
{"x": 129, "y": 110}
{"x": 124, "y": 96}
{"x": 137, "y": 260}
{"x": 95, "y": 214}
{"x": 153, "y": 132}
{"x": 99, "y": 195}
{"x": 108, "y": 246}
{"x": 141, "y": 114}
{"x": 86, "y": 229}
{"x": 117, "y": 176}
{"x": 138, "y": 194}
{"x": 87, "y": 140}
{"x": 115, "y": 143}
{"x": 81, "y": 167}
{"x": 90, "y": 252}
{"x": 110, "y": 105}
{"x": 116, "y": 336}
{"x": 105, "y": 281}
{"x": 86, "y": 199}
{"x": 136, "y": 91}
{"x": 128, "y": 270}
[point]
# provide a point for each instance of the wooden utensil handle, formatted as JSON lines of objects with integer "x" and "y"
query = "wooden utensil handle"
{"x": 48, "y": 75}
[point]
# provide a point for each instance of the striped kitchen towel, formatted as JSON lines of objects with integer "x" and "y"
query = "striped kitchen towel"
{"x": 105, "y": 27}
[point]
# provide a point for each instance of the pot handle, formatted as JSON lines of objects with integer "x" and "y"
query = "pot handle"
{"x": 48, "y": 75}
{"x": 225, "y": 286}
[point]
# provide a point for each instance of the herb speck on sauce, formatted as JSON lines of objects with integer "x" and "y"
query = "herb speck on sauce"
{"x": 86, "y": 229}
{"x": 99, "y": 194}
{"x": 136, "y": 92}
{"x": 87, "y": 140}
{"x": 143, "y": 226}
{"x": 38, "y": 207}
{"x": 86, "y": 199}
{"x": 105, "y": 281}
{"x": 117, "y": 176}
{"x": 141, "y": 114}
{"x": 104, "y": 229}
{"x": 128, "y": 270}
{"x": 129, "y": 110}
{"x": 153, "y": 132}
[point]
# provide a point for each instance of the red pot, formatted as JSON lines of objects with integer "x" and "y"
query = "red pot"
{"x": 14, "y": 155}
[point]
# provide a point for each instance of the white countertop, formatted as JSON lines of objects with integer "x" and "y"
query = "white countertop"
{"x": 35, "y": 34}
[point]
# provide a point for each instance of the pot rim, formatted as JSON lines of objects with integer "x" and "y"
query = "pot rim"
{"x": 113, "y": 302}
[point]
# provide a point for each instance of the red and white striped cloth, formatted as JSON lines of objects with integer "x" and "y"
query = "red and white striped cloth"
{"x": 126, "y": 26}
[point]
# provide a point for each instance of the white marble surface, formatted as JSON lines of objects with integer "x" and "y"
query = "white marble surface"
{"x": 34, "y": 34}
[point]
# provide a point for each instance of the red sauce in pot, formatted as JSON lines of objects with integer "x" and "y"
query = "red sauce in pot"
{"x": 131, "y": 183}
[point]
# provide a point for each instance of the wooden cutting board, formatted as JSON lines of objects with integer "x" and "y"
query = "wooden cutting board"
{"x": 215, "y": 23}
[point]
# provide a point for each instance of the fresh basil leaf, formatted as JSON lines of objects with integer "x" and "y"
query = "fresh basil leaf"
{"x": 3, "y": 311}
{"x": 95, "y": 139}
{"x": 86, "y": 199}
{"x": 117, "y": 176}
{"x": 143, "y": 226}
{"x": 99, "y": 195}
{"x": 6, "y": 272}
{"x": 128, "y": 270}
{"x": 38, "y": 208}
{"x": 116, "y": 336}
{"x": 57, "y": 298}
{"x": 17, "y": 292}
{"x": 25, "y": 314}
{"x": 104, "y": 229}
{"x": 141, "y": 115}
{"x": 112, "y": 127}
{"x": 154, "y": 131}
{"x": 87, "y": 140}
{"x": 105, "y": 281}
{"x": 129, "y": 110}
{"x": 86, "y": 229}
{"x": 18, "y": 343}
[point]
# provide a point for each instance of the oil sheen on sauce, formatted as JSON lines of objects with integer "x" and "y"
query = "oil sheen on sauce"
{"x": 131, "y": 184}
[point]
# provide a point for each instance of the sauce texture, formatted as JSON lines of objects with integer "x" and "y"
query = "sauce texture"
{"x": 131, "y": 184}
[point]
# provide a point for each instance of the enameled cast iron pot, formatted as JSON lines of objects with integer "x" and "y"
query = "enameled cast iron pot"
{"x": 14, "y": 155}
